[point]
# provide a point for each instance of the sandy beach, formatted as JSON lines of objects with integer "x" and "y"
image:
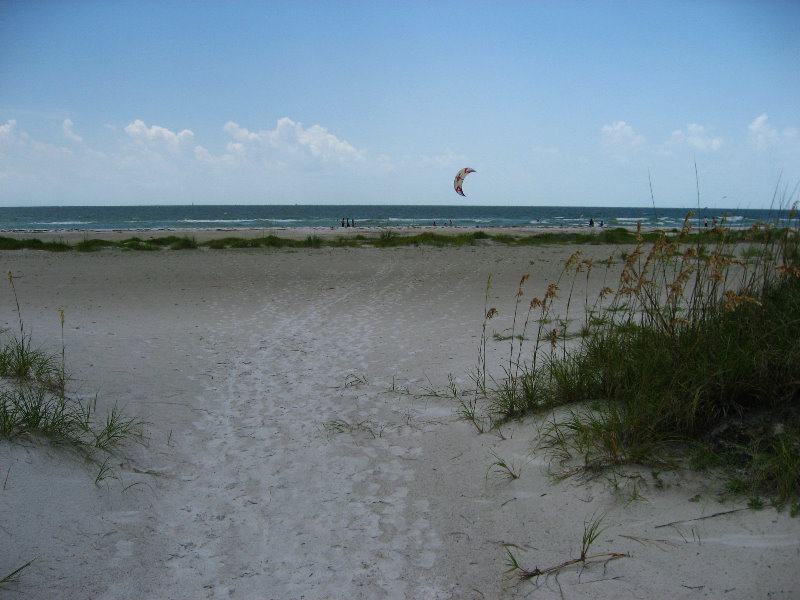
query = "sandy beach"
{"x": 301, "y": 440}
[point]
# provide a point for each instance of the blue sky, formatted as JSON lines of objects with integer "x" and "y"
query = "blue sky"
{"x": 576, "y": 103}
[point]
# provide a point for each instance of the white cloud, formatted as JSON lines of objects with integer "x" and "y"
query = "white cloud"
{"x": 621, "y": 140}
{"x": 696, "y": 137}
{"x": 291, "y": 138}
{"x": 158, "y": 138}
{"x": 762, "y": 133}
{"x": 202, "y": 154}
{"x": 621, "y": 134}
{"x": 235, "y": 147}
{"x": 765, "y": 136}
{"x": 241, "y": 134}
{"x": 22, "y": 147}
{"x": 66, "y": 127}
{"x": 7, "y": 131}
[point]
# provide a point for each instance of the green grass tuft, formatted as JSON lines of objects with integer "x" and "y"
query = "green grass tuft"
{"x": 34, "y": 402}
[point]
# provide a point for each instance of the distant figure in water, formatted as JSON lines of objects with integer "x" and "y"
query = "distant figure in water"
{"x": 342, "y": 222}
{"x": 591, "y": 222}
{"x": 353, "y": 221}
{"x": 601, "y": 223}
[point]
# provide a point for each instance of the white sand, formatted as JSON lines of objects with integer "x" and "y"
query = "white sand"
{"x": 238, "y": 359}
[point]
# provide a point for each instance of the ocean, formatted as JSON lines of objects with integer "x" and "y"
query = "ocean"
{"x": 64, "y": 218}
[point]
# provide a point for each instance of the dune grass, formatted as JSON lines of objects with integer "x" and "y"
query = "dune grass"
{"x": 386, "y": 239}
{"x": 7, "y": 243}
{"x": 591, "y": 531}
{"x": 34, "y": 402}
{"x": 693, "y": 358}
{"x": 389, "y": 238}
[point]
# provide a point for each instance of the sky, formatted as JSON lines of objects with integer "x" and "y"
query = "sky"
{"x": 573, "y": 103}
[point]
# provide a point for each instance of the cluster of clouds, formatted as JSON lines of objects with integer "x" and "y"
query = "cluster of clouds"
{"x": 143, "y": 160}
{"x": 623, "y": 142}
{"x": 290, "y": 142}
{"x": 292, "y": 139}
{"x": 154, "y": 156}
{"x": 289, "y": 139}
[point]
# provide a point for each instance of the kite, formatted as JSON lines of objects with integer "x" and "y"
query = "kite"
{"x": 460, "y": 179}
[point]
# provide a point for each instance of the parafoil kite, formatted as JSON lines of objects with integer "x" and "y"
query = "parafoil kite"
{"x": 460, "y": 176}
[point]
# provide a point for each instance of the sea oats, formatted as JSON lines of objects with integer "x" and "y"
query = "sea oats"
{"x": 551, "y": 291}
{"x": 734, "y": 300}
{"x": 785, "y": 270}
{"x": 573, "y": 259}
{"x": 687, "y": 225}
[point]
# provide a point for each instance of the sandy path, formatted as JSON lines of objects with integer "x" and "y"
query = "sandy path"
{"x": 240, "y": 358}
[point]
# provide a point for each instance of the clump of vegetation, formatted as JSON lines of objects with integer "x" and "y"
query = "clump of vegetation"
{"x": 136, "y": 243}
{"x": 694, "y": 356}
{"x": 34, "y": 403}
{"x": 174, "y": 242}
{"x": 390, "y": 238}
{"x": 34, "y": 400}
{"x": 591, "y": 531}
{"x": 7, "y": 243}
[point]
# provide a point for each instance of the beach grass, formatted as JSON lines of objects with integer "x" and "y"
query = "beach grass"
{"x": 34, "y": 402}
{"x": 7, "y": 243}
{"x": 695, "y": 353}
{"x": 591, "y": 531}
{"x": 13, "y": 577}
{"x": 387, "y": 238}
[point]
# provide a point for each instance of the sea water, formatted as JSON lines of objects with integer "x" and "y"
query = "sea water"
{"x": 57, "y": 218}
